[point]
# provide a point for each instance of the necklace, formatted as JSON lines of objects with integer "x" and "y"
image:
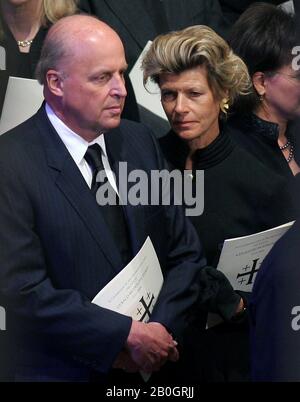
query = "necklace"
{"x": 285, "y": 146}
{"x": 288, "y": 144}
{"x": 24, "y": 43}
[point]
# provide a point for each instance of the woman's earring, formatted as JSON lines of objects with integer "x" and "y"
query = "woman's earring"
{"x": 261, "y": 97}
{"x": 224, "y": 106}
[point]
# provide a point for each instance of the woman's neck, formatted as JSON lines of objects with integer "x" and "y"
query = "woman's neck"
{"x": 23, "y": 20}
{"x": 284, "y": 144}
{"x": 264, "y": 114}
{"x": 203, "y": 140}
{"x": 199, "y": 143}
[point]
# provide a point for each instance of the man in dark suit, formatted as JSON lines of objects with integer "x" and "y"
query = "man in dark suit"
{"x": 138, "y": 21}
{"x": 297, "y": 14}
{"x": 232, "y": 9}
{"x": 58, "y": 246}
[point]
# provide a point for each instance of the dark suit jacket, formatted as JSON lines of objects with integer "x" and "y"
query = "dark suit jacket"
{"x": 297, "y": 8}
{"x": 57, "y": 252}
{"x": 232, "y": 9}
{"x": 138, "y": 21}
{"x": 274, "y": 312}
{"x": 297, "y": 16}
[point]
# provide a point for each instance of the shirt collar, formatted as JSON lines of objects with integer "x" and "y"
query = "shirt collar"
{"x": 76, "y": 145}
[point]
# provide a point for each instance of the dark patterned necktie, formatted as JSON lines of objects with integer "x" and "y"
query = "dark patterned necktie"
{"x": 112, "y": 211}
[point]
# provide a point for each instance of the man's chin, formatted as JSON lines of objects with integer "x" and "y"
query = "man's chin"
{"x": 112, "y": 123}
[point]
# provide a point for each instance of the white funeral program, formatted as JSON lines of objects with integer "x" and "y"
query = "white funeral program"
{"x": 149, "y": 99}
{"x": 241, "y": 257}
{"x": 135, "y": 289}
{"x": 22, "y": 100}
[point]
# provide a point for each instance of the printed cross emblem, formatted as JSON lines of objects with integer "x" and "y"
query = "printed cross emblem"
{"x": 250, "y": 273}
{"x": 146, "y": 308}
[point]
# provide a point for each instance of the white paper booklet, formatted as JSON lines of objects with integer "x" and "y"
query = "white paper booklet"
{"x": 22, "y": 100}
{"x": 241, "y": 257}
{"x": 149, "y": 100}
{"x": 135, "y": 289}
{"x": 288, "y": 6}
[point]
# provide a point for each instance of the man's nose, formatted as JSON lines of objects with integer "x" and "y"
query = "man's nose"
{"x": 118, "y": 87}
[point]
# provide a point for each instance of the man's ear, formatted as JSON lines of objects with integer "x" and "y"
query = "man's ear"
{"x": 55, "y": 82}
{"x": 258, "y": 80}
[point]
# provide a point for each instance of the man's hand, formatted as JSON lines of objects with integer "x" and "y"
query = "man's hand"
{"x": 240, "y": 307}
{"x": 150, "y": 346}
{"x": 124, "y": 362}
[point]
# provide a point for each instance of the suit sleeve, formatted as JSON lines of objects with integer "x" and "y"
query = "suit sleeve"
{"x": 62, "y": 318}
{"x": 275, "y": 313}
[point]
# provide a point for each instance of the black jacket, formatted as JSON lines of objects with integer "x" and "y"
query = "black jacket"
{"x": 274, "y": 312}
{"x": 241, "y": 195}
{"x": 259, "y": 138}
{"x": 21, "y": 64}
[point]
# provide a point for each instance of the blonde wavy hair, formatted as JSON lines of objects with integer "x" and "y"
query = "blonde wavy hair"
{"x": 196, "y": 46}
{"x": 57, "y": 9}
{"x": 54, "y": 10}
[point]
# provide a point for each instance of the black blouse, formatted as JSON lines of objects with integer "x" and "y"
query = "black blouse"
{"x": 241, "y": 195}
{"x": 259, "y": 137}
{"x": 20, "y": 64}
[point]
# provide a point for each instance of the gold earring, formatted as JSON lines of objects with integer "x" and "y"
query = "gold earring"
{"x": 261, "y": 97}
{"x": 224, "y": 106}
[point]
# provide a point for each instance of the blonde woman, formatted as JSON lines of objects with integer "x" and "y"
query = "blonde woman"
{"x": 199, "y": 78}
{"x": 23, "y": 27}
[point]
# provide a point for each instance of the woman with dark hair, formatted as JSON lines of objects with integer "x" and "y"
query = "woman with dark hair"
{"x": 265, "y": 122}
{"x": 199, "y": 78}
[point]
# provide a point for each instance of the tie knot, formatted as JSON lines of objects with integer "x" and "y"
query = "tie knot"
{"x": 93, "y": 156}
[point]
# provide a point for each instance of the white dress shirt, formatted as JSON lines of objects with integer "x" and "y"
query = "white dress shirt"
{"x": 77, "y": 148}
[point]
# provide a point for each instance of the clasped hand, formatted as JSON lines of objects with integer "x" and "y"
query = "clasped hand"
{"x": 148, "y": 347}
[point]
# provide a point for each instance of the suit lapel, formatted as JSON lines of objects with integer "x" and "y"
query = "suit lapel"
{"x": 71, "y": 183}
{"x": 134, "y": 16}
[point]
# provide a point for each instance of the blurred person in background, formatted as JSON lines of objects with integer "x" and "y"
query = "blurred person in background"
{"x": 23, "y": 27}
{"x": 266, "y": 122}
